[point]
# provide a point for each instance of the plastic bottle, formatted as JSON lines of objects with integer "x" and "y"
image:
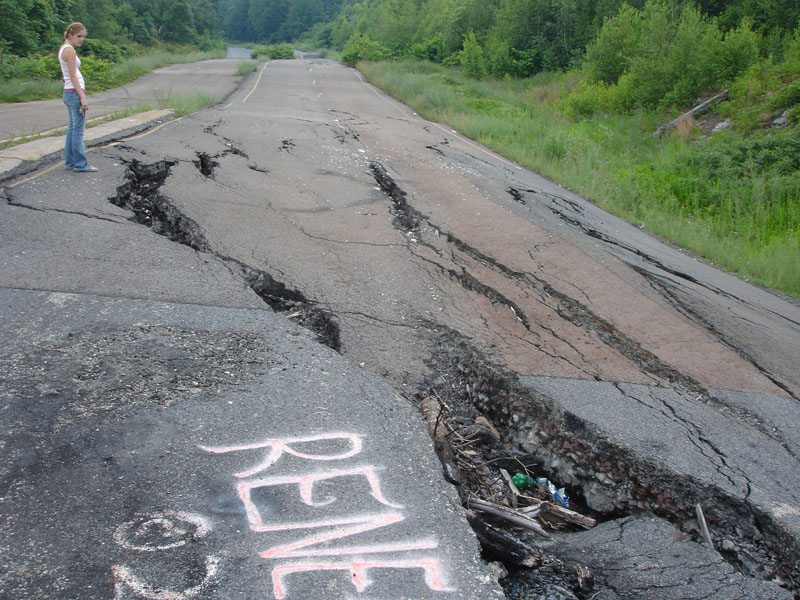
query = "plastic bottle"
{"x": 523, "y": 481}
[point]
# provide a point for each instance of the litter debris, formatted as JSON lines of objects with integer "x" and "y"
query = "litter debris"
{"x": 559, "y": 494}
{"x": 523, "y": 481}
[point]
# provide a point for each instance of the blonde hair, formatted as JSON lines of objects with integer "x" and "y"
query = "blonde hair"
{"x": 73, "y": 28}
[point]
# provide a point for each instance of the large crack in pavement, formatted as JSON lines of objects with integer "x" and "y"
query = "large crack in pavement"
{"x": 140, "y": 193}
{"x": 664, "y": 286}
{"x": 611, "y": 480}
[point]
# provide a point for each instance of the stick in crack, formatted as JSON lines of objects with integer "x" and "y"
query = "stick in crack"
{"x": 508, "y": 514}
{"x": 703, "y": 525}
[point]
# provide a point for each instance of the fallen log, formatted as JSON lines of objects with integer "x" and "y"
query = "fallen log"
{"x": 697, "y": 110}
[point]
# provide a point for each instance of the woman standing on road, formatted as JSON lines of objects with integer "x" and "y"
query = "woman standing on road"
{"x": 74, "y": 98}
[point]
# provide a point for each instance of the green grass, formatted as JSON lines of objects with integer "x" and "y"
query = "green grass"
{"x": 17, "y": 90}
{"x": 731, "y": 199}
{"x": 188, "y": 104}
{"x": 246, "y": 67}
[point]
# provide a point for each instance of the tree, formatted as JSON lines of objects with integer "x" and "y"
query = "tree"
{"x": 178, "y": 26}
{"x": 302, "y": 16}
{"x": 16, "y": 30}
{"x": 267, "y": 17}
{"x": 98, "y": 17}
{"x": 237, "y": 22}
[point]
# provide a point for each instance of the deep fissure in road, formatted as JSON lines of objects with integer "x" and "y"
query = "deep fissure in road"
{"x": 140, "y": 193}
{"x": 535, "y": 432}
{"x": 608, "y": 480}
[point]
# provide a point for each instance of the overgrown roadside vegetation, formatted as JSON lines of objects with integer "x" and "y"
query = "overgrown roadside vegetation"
{"x": 37, "y": 77}
{"x": 725, "y": 186}
{"x": 273, "y": 51}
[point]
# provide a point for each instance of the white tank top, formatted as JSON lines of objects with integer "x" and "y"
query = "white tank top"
{"x": 68, "y": 83}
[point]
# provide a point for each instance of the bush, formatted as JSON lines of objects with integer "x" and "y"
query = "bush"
{"x": 765, "y": 90}
{"x": 363, "y": 48}
{"x": 274, "y": 52}
{"x": 97, "y": 73}
{"x": 737, "y": 53}
{"x": 472, "y": 60}
{"x": 105, "y": 50}
{"x": 244, "y": 68}
{"x": 498, "y": 57}
{"x": 432, "y": 49}
{"x": 586, "y": 99}
{"x": 36, "y": 66}
{"x": 690, "y": 63}
{"x": 653, "y": 60}
{"x": 609, "y": 54}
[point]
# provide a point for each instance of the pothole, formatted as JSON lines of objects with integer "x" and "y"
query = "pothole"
{"x": 485, "y": 420}
{"x": 140, "y": 193}
{"x": 206, "y": 164}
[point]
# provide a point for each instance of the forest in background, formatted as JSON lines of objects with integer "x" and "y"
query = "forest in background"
{"x": 497, "y": 38}
{"x": 32, "y": 26}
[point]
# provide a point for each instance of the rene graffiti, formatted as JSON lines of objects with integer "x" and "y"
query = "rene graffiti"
{"x": 359, "y": 539}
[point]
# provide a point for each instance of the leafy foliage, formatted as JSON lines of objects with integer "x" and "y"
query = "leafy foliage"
{"x": 362, "y": 48}
{"x": 655, "y": 57}
{"x": 115, "y": 27}
{"x": 472, "y": 59}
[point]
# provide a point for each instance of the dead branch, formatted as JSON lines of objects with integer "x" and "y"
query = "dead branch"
{"x": 568, "y": 515}
{"x": 703, "y": 525}
{"x": 508, "y": 514}
{"x": 489, "y": 427}
{"x": 697, "y": 110}
{"x": 514, "y": 491}
{"x": 432, "y": 413}
{"x": 509, "y": 548}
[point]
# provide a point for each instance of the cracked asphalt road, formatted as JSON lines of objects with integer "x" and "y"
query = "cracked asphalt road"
{"x": 410, "y": 236}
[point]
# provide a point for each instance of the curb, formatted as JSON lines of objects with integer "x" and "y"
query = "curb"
{"x": 24, "y": 158}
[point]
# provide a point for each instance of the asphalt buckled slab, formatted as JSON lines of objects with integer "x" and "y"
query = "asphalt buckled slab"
{"x": 157, "y": 449}
{"x": 705, "y": 445}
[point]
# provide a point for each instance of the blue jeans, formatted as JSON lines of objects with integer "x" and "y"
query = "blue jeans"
{"x": 74, "y": 153}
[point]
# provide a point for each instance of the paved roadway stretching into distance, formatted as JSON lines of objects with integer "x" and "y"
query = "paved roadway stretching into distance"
{"x": 438, "y": 258}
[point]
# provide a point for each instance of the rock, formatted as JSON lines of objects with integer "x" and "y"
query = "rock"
{"x": 781, "y": 121}
{"x": 722, "y": 125}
